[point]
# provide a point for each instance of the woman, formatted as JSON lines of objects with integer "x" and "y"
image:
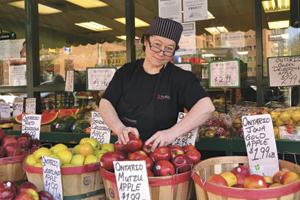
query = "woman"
{"x": 144, "y": 97}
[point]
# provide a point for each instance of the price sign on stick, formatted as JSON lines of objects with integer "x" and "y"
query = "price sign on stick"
{"x": 224, "y": 74}
{"x": 284, "y": 71}
{"x": 132, "y": 180}
{"x": 99, "y": 130}
{"x": 5, "y": 111}
{"x": 99, "y": 78}
{"x": 69, "y": 87}
{"x": 31, "y": 124}
{"x": 30, "y": 105}
{"x": 52, "y": 177}
{"x": 188, "y": 138}
{"x": 260, "y": 144}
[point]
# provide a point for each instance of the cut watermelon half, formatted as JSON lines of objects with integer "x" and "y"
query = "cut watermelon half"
{"x": 47, "y": 117}
{"x": 66, "y": 112}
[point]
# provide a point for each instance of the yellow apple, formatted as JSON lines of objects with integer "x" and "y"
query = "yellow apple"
{"x": 268, "y": 179}
{"x": 230, "y": 178}
{"x": 296, "y": 115}
{"x": 90, "y": 159}
{"x": 58, "y": 147}
{"x": 64, "y": 156}
{"x": 30, "y": 160}
{"x": 43, "y": 151}
{"x": 100, "y": 153}
{"x": 108, "y": 147}
{"x": 77, "y": 160}
{"x": 38, "y": 164}
{"x": 279, "y": 122}
{"x": 85, "y": 149}
{"x": 75, "y": 149}
{"x": 275, "y": 114}
{"x": 92, "y": 141}
{"x": 289, "y": 177}
{"x": 284, "y": 116}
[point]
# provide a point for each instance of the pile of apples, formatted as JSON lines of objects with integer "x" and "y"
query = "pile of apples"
{"x": 88, "y": 151}
{"x": 240, "y": 177}
{"x": 163, "y": 161}
{"x": 15, "y": 146}
{"x": 26, "y": 191}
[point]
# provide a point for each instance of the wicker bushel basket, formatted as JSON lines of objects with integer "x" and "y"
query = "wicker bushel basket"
{"x": 82, "y": 182}
{"x": 176, "y": 187}
{"x": 11, "y": 168}
{"x": 208, "y": 191}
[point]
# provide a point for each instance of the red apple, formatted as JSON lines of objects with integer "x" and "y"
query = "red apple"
{"x": 13, "y": 149}
{"x": 230, "y": 178}
{"x": 161, "y": 153}
{"x": 255, "y": 181}
{"x": 24, "y": 140}
{"x": 217, "y": 179}
{"x": 119, "y": 147}
{"x": 289, "y": 177}
{"x": 240, "y": 178}
{"x": 241, "y": 169}
{"x": 189, "y": 148}
{"x": 149, "y": 173}
{"x": 163, "y": 168}
{"x": 107, "y": 159}
{"x": 26, "y": 185}
{"x": 134, "y": 143}
{"x": 182, "y": 163}
{"x": 147, "y": 148}
{"x": 194, "y": 156}
{"x": 137, "y": 155}
{"x": 9, "y": 139}
{"x": 278, "y": 176}
{"x": 175, "y": 150}
{"x": 28, "y": 194}
{"x": 2, "y": 134}
{"x": 8, "y": 190}
{"x": 43, "y": 195}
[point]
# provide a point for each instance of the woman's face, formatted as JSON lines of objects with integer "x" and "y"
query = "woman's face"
{"x": 159, "y": 50}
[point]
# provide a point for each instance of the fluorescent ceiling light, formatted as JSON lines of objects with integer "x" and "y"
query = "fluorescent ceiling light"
{"x": 93, "y": 26}
{"x": 123, "y": 37}
{"x": 276, "y": 5}
{"x": 41, "y": 8}
{"x": 242, "y": 52}
{"x": 216, "y": 30}
{"x": 210, "y": 16}
{"x": 208, "y": 55}
{"x": 138, "y": 22}
{"x": 279, "y": 24}
{"x": 88, "y": 3}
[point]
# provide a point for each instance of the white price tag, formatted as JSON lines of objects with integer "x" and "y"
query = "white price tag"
{"x": 188, "y": 138}
{"x": 69, "y": 87}
{"x": 260, "y": 144}
{"x": 99, "y": 130}
{"x": 99, "y": 78}
{"x": 17, "y": 106}
{"x": 132, "y": 180}
{"x": 52, "y": 177}
{"x": 30, "y": 105}
{"x": 31, "y": 124}
{"x": 5, "y": 111}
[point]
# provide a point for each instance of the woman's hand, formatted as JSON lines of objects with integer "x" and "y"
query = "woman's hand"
{"x": 161, "y": 138}
{"x": 123, "y": 135}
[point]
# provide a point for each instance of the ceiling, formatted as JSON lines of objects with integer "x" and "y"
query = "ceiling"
{"x": 233, "y": 14}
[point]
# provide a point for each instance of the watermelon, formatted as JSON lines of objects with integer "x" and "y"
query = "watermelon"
{"x": 19, "y": 118}
{"x": 47, "y": 117}
{"x": 66, "y": 112}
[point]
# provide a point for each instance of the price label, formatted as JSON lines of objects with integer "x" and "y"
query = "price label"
{"x": 99, "y": 78}
{"x": 132, "y": 180}
{"x": 188, "y": 138}
{"x": 31, "y": 124}
{"x": 52, "y": 177}
{"x": 17, "y": 106}
{"x": 30, "y": 105}
{"x": 69, "y": 87}
{"x": 284, "y": 71}
{"x": 224, "y": 74}
{"x": 5, "y": 111}
{"x": 99, "y": 130}
{"x": 260, "y": 144}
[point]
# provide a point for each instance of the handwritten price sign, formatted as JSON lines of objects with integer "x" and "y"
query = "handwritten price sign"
{"x": 31, "y": 124}
{"x": 69, "y": 87}
{"x": 99, "y": 130}
{"x": 260, "y": 144}
{"x": 99, "y": 78}
{"x": 224, "y": 74}
{"x": 284, "y": 71}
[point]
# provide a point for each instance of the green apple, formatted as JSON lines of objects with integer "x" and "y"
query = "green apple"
{"x": 30, "y": 160}
{"x": 90, "y": 159}
{"x": 43, "y": 151}
{"x": 100, "y": 153}
{"x": 77, "y": 160}
{"x": 108, "y": 147}
{"x": 92, "y": 141}
{"x": 58, "y": 147}
{"x": 64, "y": 156}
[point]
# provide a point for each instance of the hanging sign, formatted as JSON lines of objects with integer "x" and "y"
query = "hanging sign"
{"x": 69, "y": 87}
{"x": 185, "y": 66}
{"x": 30, "y": 105}
{"x": 260, "y": 144}
{"x": 31, "y": 124}
{"x": 5, "y": 111}
{"x": 99, "y": 78}
{"x": 224, "y": 74}
{"x": 52, "y": 177}
{"x": 187, "y": 41}
{"x": 188, "y": 138}
{"x": 99, "y": 130}
{"x": 170, "y": 9}
{"x": 17, "y": 106}
{"x": 132, "y": 180}
{"x": 194, "y": 10}
{"x": 284, "y": 71}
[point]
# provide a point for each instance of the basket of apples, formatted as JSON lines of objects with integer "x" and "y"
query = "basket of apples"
{"x": 168, "y": 168}
{"x": 229, "y": 178}
{"x": 13, "y": 149}
{"x": 79, "y": 168}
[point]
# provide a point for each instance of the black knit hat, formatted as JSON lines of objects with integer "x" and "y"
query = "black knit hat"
{"x": 165, "y": 28}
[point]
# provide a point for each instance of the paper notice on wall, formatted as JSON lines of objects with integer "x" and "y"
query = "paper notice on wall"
{"x": 99, "y": 78}
{"x": 17, "y": 75}
{"x": 5, "y": 111}
{"x": 30, "y": 105}
{"x": 69, "y": 87}
{"x": 10, "y": 48}
{"x": 194, "y": 10}
{"x": 187, "y": 43}
{"x": 170, "y": 9}
{"x": 18, "y": 106}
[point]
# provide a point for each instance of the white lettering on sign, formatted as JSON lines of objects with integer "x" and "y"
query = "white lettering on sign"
{"x": 69, "y": 87}
{"x": 224, "y": 74}
{"x": 284, "y": 71}
{"x": 17, "y": 106}
{"x": 132, "y": 180}
{"x": 99, "y": 78}
{"x": 99, "y": 130}
{"x": 5, "y": 111}
{"x": 52, "y": 177}
{"x": 31, "y": 124}
{"x": 188, "y": 138}
{"x": 260, "y": 144}
{"x": 30, "y": 105}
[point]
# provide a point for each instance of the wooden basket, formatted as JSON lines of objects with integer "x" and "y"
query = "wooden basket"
{"x": 208, "y": 191}
{"x": 176, "y": 187}
{"x": 82, "y": 182}
{"x": 11, "y": 168}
